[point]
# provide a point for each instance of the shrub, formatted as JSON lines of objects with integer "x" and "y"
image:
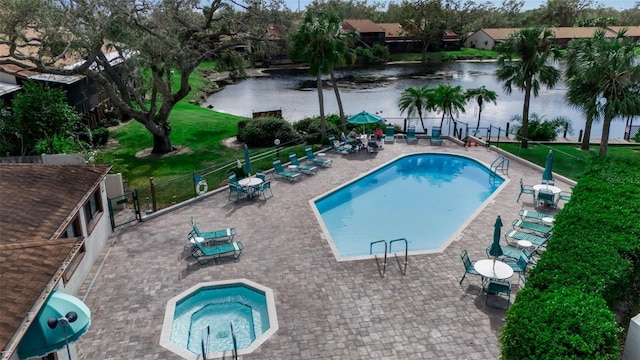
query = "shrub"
{"x": 61, "y": 145}
{"x": 261, "y": 132}
{"x": 100, "y": 136}
{"x": 540, "y": 129}
{"x": 378, "y": 55}
{"x": 310, "y": 128}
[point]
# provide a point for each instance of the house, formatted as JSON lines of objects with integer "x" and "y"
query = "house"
{"x": 632, "y": 32}
{"x": 487, "y": 39}
{"x": 54, "y": 222}
{"x": 396, "y": 39}
{"x": 450, "y": 41}
{"x": 370, "y": 33}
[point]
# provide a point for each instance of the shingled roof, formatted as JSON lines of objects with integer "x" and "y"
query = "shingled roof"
{"x": 36, "y": 202}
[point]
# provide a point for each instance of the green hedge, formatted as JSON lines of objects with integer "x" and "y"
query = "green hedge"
{"x": 590, "y": 262}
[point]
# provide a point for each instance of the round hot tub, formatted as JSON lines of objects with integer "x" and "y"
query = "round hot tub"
{"x": 217, "y": 318}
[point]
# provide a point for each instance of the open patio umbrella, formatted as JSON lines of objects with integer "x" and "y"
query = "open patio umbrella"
{"x": 548, "y": 172}
{"x": 363, "y": 118}
{"x": 495, "y": 250}
{"x": 247, "y": 161}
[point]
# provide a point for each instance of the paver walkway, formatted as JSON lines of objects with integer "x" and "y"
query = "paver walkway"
{"x": 326, "y": 309}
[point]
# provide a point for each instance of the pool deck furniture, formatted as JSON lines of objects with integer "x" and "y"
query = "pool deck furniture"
{"x": 526, "y": 189}
{"x": 339, "y": 148}
{"x": 320, "y": 160}
{"x": 411, "y": 135}
{"x": 280, "y": 171}
{"x": 307, "y": 169}
{"x": 497, "y": 288}
{"x": 532, "y": 226}
{"x": 250, "y": 185}
{"x": 205, "y": 255}
{"x": 486, "y": 269}
{"x": 436, "y": 138}
{"x": 513, "y": 236}
{"x": 219, "y": 235}
{"x": 468, "y": 265}
{"x": 533, "y": 215}
{"x": 390, "y": 136}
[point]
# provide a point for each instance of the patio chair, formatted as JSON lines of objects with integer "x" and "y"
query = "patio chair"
{"x": 280, "y": 171}
{"x": 204, "y": 255}
{"x": 372, "y": 146}
{"x": 532, "y": 215}
{"x": 526, "y": 189}
{"x": 237, "y": 190}
{"x": 520, "y": 267}
{"x": 564, "y": 196}
{"x": 315, "y": 160}
{"x": 411, "y": 135}
{"x": 535, "y": 227}
{"x": 389, "y": 136}
{"x": 262, "y": 189}
{"x": 216, "y": 235}
{"x": 435, "y": 138}
{"x": 468, "y": 265}
{"x": 498, "y": 287}
{"x": 340, "y": 148}
{"x": 307, "y": 169}
{"x": 546, "y": 198}
{"x": 261, "y": 175}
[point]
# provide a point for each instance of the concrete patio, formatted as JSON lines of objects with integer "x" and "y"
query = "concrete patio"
{"x": 326, "y": 309}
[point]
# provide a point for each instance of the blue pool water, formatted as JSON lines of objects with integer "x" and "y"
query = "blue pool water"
{"x": 424, "y": 198}
{"x": 217, "y": 308}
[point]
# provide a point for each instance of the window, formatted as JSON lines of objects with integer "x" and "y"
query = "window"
{"x": 93, "y": 210}
{"x": 74, "y": 263}
{"x": 73, "y": 230}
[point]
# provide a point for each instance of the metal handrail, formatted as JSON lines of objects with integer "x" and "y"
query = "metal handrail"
{"x": 500, "y": 165}
{"x": 384, "y": 264}
{"x": 406, "y": 254}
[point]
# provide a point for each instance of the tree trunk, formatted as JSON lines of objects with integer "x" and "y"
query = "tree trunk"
{"x": 587, "y": 133}
{"x": 343, "y": 123}
{"x": 160, "y": 132}
{"x": 424, "y": 52}
{"x": 442, "y": 120}
{"x": 524, "y": 130}
{"x": 604, "y": 142}
{"x": 479, "y": 113}
{"x": 323, "y": 124}
{"x": 161, "y": 144}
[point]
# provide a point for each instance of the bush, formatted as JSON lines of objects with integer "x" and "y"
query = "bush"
{"x": 540, "y": 129}
{"x": 310, "y": 128}
{"x": 261, "y": 132}
{"x": 61, "y": 145}
{"x": 100, "y": 136}
{"x": 379, "y": 55}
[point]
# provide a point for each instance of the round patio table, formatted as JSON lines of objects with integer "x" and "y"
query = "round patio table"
{"x": 485, "y": 268}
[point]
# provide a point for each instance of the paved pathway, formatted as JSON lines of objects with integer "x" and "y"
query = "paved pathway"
{"x": 326, "y": 309}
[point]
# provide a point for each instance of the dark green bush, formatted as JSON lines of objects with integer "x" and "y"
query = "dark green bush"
{"x": 100, "y": 136}
{"x": 378, "y": 55}
{"x": 541, "y": 129}
{"x": 310, "y": 128}
{"x": 565, "y": 311}
{"x": 261, "y": 132}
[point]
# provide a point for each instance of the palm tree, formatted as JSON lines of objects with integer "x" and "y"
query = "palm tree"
{"x": 612, "y": 71}
{"x": 481, "y": 94}
{"x": 415, "y": 101}
{"x": 535, "y": 50}
{"x": 448, "y": 99}
{"x": 321, "y": 43}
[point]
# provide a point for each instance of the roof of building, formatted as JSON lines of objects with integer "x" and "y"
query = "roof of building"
{"x": 392, "y": 29}
{"x": 631, "y": 30}
{"x": 362, "y": 25}
{"x": 37, "y": 202}
{"x": 559, "y": 32}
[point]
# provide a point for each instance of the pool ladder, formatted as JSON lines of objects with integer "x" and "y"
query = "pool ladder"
{"x": 382, "y": 269}
{"x": 502, "y": 164}
{"x": 205, "y": 348}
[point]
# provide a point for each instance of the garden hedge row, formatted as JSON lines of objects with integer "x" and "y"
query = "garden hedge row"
{"x": 564, "y": 312}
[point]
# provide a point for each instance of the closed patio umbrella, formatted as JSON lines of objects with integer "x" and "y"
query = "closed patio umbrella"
{"x": 247, "y": 161}
{"x": 363, "y": 118}
{"x": 548, "y": 172}
{"x": 495, "y": 250}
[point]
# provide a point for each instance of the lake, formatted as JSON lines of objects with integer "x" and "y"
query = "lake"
{"x": 294, "y": 93}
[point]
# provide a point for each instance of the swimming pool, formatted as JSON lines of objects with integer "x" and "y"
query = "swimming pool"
{"x": 425, "y": 198}
{"x": 200, "y": 320}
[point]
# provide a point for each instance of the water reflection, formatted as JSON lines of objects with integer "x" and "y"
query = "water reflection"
{"x": 294, "y": 93}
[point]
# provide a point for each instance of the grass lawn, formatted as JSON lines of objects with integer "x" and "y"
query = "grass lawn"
{"x": 464, "y": 53}
{"x": 568, "y": 160}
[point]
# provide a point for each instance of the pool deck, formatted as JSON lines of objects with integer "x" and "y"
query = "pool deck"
{"x": 326, "y": 309}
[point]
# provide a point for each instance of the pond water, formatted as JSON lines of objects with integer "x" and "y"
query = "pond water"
{"x": 294, "y": 93}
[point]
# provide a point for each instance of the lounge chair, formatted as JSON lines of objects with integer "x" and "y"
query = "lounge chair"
{"x": 216, "y": 235}
{"x": 512, "y": 237}
{"x": 513, "y": 253}
{"x": 340, "y": 148}
{"x": 204, "y": 254}
{"x": 317, "y": 161}
{"x": 389, "y": 136}
{"x": 435, "y": 138}
{"x": 528, "y": 225}
{"x": 532, "y": 215}
{"x": 280, "y": 171}
{"x": 526, "y": 189}
{"x": 411, "y": 135}
{"x": 307, "y": 169}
